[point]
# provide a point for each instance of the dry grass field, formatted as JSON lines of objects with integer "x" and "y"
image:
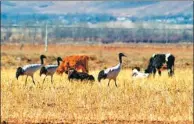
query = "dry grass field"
{"x": 153, "y": 100}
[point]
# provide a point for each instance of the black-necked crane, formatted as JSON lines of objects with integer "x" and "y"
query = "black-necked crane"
{"x": 30, "y": 69}
{"x": 50, "y": 69}
{"x": 111, "y": 73}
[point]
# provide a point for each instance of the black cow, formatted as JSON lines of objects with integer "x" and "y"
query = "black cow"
{"x": 158, "y": 60}
{"x": 73, "y": 74}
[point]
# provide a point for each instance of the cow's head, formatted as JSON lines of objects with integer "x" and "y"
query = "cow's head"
{"x": 150, "y": 65}
{"x": 149, "y": 69}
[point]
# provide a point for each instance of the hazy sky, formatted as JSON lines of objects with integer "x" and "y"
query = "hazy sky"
{"x": 115, "y": 8}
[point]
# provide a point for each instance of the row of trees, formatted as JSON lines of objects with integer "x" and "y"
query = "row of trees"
{"x": 104, "y": 35}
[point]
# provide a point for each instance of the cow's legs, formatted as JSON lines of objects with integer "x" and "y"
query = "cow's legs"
{"x": 159, "y": 71}
{"x": 154, "y": 72}
{"x": 170, "y": 71}
{"x": 170, "y": 65}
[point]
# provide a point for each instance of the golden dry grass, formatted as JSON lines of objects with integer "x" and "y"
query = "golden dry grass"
{"x": 153, "y": 100}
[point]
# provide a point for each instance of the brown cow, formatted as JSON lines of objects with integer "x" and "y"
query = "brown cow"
{"x": 78, "y": 62}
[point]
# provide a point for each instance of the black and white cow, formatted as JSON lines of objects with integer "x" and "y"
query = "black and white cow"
{"x": 157, "y": 61}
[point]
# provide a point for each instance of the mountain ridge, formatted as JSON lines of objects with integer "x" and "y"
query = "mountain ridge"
{"x": 175, "y": 12}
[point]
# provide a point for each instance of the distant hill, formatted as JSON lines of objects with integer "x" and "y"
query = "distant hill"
{"x": 97, "y": 21}
{"x": 70, "y": 13}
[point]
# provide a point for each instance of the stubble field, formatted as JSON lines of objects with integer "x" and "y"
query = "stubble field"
{"x": 153, "y": 100}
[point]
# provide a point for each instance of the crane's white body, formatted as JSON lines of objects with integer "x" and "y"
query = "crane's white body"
{"x": 29, "y": 70}
{"x": 113, "y": 72}
{"x": 51, "y": 69}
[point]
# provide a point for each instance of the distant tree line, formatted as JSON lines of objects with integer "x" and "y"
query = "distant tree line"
{"x": 93, "y": 35}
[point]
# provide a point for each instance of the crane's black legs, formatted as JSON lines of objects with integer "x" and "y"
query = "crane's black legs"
{"x": 26, "y": 80}
{"x": 33, "y": 79}
{"x": 115, "y": 82}
{"x": 44, "y": 78}
{"x": 51, "y": 79}
{"x": 108, "y": 82}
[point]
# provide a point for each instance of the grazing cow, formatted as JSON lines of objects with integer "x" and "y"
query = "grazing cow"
{"x": 137, "y": 74}
{"x": 73, "y": 74}
{"x": 79, "y": 63}
{"x": 157, "y": 61}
